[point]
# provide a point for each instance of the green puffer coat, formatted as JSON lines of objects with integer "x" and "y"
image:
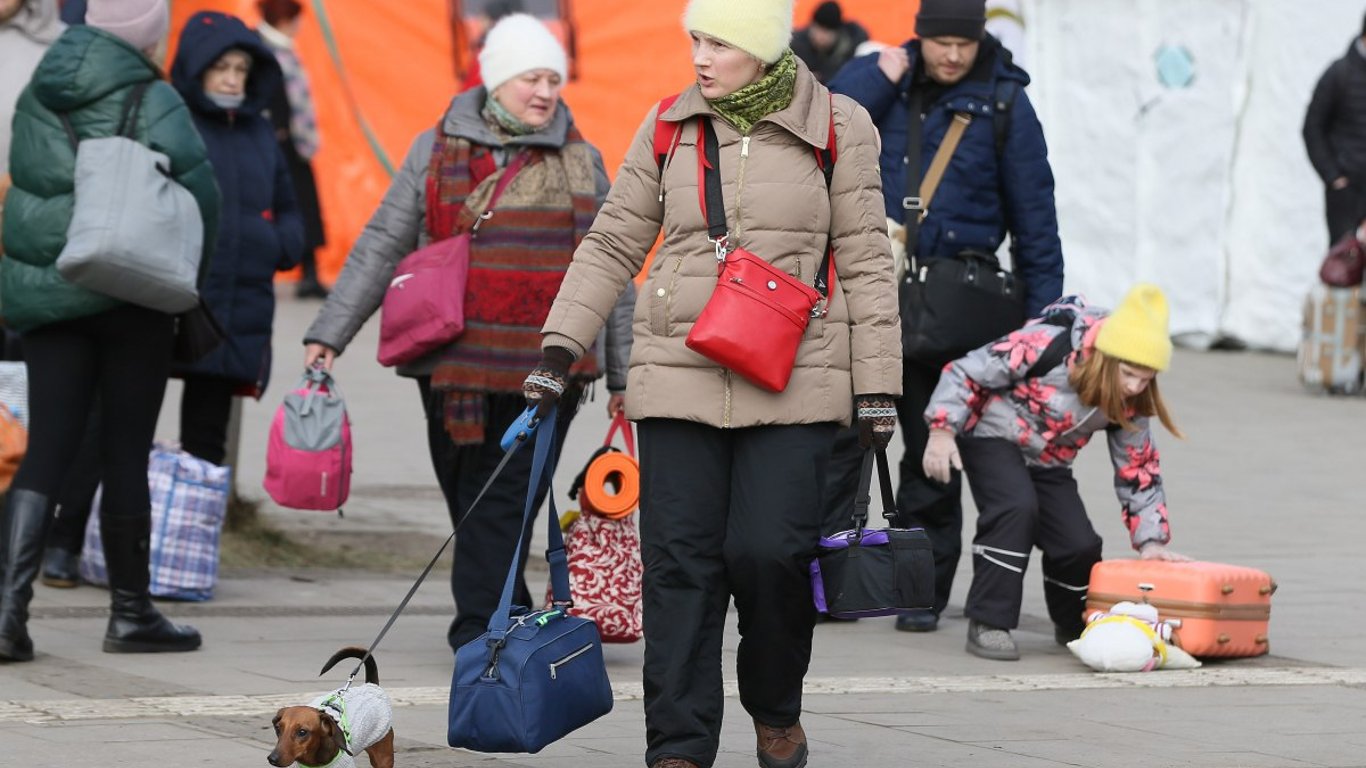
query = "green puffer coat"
{"x": 87, "y": 74}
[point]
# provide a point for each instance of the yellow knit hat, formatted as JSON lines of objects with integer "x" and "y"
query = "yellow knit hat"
{"x": 761, "y": 28}
{"x": 1136, "y": 332}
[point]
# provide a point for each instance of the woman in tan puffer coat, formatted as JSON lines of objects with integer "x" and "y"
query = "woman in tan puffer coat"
{"x": 732, "y": 474}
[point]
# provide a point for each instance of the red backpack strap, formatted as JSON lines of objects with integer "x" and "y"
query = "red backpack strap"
{"x": 825, "y": 158}
{"x": 666, "y": 132}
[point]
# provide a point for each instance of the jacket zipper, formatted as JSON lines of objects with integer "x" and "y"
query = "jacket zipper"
{"x": 669, "y": 299}
{"x": 1077, "y": 426}
{"x": 555, "y": 665}
{"x": 725, "y": 415}
{"x": 734, "y": 233}
{"x": 739, "y": 186}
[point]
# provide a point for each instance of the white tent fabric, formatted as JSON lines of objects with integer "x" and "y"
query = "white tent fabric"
{"x": 1174, "y": 132}
{"x": 1005, "y": 20}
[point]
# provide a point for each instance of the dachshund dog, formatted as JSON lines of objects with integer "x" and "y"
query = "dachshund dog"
{"x": 334, "y": 727}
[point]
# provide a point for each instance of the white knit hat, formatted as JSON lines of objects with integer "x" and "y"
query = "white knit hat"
{"x": 761, "y": 28}
{"x": 519, "y": 43}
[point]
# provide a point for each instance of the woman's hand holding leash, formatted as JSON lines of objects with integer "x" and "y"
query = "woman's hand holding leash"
{"x": 544, "y": 385}
{"x": 941, "y": 456}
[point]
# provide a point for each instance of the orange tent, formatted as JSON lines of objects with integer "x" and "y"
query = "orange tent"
{"x": 383, "y": 72}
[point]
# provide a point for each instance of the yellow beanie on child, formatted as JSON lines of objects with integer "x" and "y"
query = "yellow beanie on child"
{"x": 761, "y": 28}
{"x": 1136, "y": 332}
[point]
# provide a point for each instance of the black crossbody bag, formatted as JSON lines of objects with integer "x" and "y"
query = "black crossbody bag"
{"x": 949, "y": 306}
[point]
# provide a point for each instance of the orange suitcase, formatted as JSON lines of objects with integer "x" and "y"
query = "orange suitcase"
{"x": 1223, "y": 609}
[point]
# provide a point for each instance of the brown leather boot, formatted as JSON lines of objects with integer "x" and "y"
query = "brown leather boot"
{"x": 781, "y": 747}
{"x": 673, "y": 762}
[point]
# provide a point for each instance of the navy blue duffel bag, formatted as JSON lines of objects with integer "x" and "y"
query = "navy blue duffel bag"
{"x": 534, "y": 676}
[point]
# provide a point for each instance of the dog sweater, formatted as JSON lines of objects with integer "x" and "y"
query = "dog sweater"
{"x": 365, "y": 715}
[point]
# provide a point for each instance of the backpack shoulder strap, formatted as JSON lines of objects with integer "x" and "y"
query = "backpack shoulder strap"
{"x": 1055, "y": 353}
{"x": 128, "y": 117}
{"x": 70, "y": 131}
{"x": 1006, "y": 91}
{"x": 128, "y": 121}
{"x": 666, "y": 132}
{"x": 825, "y": 158}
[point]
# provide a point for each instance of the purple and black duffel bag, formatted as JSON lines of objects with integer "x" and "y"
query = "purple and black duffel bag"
{"x": 873, "y": 571}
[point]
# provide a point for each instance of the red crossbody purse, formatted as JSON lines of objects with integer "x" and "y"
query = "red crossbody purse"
{"x": 757, "y": 314}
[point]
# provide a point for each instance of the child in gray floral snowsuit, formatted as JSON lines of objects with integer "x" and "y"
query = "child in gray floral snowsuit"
{"x": 1013, "y": 414}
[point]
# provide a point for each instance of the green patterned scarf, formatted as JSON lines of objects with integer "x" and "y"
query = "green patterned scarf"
{"x": 504, "y": 122}
{"x": 769, "y": 94}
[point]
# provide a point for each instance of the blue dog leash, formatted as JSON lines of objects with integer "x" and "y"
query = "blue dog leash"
{"x": 515, "y": 437}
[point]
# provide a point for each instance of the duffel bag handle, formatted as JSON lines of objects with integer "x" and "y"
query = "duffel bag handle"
{"x": 317, "y": 380}
{"x": 542, "y": 471}
{"x": 863, "y": 498}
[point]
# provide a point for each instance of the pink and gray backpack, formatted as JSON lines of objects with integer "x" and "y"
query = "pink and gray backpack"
{"x": 308, "y": 457}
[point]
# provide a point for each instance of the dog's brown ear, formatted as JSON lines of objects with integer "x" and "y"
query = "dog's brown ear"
{"x": 275, "y": 722}
{"x": 335, "y": 732}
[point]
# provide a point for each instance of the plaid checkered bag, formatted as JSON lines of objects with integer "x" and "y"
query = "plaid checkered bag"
{"x": 14, "y": 389}
{"x": 189, "y": 501}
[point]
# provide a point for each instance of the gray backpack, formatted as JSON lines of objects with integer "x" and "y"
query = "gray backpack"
{"x": 135, "y": 233}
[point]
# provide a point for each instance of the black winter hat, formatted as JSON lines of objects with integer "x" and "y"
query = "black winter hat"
{"x": 828, "y": 15}
{"x": 951, "y": 18}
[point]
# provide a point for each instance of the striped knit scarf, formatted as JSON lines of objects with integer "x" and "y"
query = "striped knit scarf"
{"x": 517, "y": 261}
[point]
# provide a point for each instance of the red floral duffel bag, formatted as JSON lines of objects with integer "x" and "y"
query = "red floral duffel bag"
{"x": 604, "y": 563}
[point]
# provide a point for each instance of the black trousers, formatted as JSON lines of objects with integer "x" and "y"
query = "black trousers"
{"x": 205, "y": 407}
{"x": 124, "y": 355}
{"x": 1345, "y": 209}
{"x": 1018, "y": 508}
{"x": 487, "y": 538}
{"x": 920, "y": 501}
{"x": 77, "y": 496}
{"x": 726, "y": 512}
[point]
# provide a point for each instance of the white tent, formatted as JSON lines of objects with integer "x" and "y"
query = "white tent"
{"x": 1174, "y": 132}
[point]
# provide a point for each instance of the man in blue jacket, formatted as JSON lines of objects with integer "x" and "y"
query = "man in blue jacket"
{"x": 997, "y": 182}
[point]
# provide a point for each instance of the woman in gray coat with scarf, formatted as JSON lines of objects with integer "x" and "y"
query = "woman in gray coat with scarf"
{"x": 471, "y": 388}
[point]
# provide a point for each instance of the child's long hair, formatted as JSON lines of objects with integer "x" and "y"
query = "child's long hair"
{"x": 1096, "y": 381}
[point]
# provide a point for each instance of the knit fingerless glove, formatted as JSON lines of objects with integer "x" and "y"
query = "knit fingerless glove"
{"x": 876, "y": 415}
{"x": 544, "y": 385}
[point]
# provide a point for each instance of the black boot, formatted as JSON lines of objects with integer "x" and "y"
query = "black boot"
{"x": 135, "y": 625}
{"x": 23, "y": 530}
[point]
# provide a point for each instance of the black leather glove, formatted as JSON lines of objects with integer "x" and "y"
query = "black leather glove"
{"x": 544, "y": 385}
{"x": 876, "y": 416}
